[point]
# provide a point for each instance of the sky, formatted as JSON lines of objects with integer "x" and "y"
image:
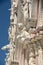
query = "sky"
{"x": 4, "y": 25}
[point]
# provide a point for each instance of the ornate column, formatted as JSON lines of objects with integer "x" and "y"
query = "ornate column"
{"x": 31, "y": 57}
{"x": 40, "y": 57}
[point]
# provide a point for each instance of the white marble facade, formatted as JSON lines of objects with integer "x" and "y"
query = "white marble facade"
{"x": 25, "y": 33}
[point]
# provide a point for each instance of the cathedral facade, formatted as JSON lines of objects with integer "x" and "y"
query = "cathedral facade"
{"x": 25, "y": 33}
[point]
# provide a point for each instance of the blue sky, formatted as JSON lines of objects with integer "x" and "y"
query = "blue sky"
{"x": 4, "y": 24}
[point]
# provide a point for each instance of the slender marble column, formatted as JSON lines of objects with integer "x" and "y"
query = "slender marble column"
{"x": 36, "y": 57}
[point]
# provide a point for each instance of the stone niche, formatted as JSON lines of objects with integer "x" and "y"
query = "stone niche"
{"x": 14, "y": 63}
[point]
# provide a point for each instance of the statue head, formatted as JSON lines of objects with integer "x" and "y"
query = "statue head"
{"x": 20, "y": 26}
